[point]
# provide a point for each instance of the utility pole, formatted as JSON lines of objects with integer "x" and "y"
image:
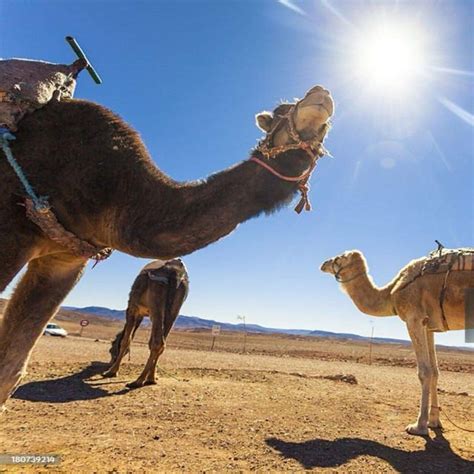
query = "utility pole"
{"x": 216, "y": 330}
{"x": 370, "y": 342}
{"x": 242, "y": 318}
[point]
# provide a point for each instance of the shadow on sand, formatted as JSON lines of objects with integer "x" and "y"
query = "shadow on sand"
{"x": 436, "y": 457}
{"x": 70, "y": 388}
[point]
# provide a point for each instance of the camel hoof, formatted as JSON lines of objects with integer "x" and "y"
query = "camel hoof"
{"x": 414, "y": 429}
{"x": 150, "y": 382}
{"x": 108, "y": 374}
{"x": 135, "y": 384}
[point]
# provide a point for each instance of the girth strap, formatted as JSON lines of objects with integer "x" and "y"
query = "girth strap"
{"x": 38, "y": 210}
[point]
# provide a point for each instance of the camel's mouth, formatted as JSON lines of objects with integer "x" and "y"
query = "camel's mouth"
{"x": 328, "y": 109}
{"x": 326, "y": 266}
{"x": 320, "y": 98}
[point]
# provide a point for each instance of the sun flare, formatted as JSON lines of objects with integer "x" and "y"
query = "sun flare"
{"x": 389, "y": 58}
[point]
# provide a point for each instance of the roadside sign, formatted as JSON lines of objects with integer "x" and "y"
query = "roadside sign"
{"x": 83, "y": 323}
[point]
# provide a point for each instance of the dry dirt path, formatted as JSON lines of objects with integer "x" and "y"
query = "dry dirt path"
{"x": 221, "y": 412}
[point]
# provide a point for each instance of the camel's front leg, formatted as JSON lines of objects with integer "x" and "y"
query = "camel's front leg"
{"x": 434, "y": 421}
{"x": 12, "y": 261}
{"x": 418, "y": 334}
{"x": 37, "y": 297}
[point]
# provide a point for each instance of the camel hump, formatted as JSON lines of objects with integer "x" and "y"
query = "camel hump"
{"x": 27, "y": 85}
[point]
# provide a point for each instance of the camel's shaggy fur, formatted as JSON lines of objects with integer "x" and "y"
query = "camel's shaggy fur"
{"x": 104, "y": 187}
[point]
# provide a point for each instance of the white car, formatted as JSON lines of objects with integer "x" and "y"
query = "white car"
{"x": 52, "y": 329}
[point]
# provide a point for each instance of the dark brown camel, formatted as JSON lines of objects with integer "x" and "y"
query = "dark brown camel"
{"x": 104, "y": 187}
{"x": 158, "y": 294}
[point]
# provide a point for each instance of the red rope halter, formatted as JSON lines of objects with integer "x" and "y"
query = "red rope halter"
{"x": 302, "y": 179}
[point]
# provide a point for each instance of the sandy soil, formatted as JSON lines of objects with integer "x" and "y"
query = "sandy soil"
{"x": 222, "y": 411}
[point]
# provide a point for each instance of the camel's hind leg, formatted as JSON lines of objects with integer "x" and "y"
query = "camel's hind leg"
{"x": 171, "y": 313}
{"x": 38, "y": 295}
{"x": 157, "y": 307}
{"x": 418, "y": 333}
{"x": 165, "y": 304}
{"x": 127, "y": 335}
{"x": 434, "y": 408}
{"x": 175, "y": 301}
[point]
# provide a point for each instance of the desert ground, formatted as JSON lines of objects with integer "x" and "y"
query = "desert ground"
{"x": 286, "y": 404}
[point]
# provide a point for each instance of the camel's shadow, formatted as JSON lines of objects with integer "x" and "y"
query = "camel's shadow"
{"x": 68, "y": 389}
{"x": 436, "y": 457}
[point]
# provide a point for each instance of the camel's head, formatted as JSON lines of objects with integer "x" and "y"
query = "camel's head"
{"x": 305, "y": 120}
{"x": 349, "y": 259}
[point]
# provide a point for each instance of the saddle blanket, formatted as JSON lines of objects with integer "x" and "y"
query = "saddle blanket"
{"x": 442, "y": 261}
{"x": 154, "y": 265}
{"x": 446, "y": 260}
{"x": 159, "y": 270}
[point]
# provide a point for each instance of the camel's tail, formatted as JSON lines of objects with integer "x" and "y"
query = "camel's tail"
{"x": 174, "y": 281}
{"x": 114, "y": 348}
{"x": 138, "y": 321}
{"x": 174, "y": 298}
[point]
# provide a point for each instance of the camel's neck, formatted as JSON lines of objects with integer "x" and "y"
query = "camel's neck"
{"x": 181, "y": 218}
{"x": 368, "y": 298}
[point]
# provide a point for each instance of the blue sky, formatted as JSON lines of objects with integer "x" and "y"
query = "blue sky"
{"x": 190, "y": 75}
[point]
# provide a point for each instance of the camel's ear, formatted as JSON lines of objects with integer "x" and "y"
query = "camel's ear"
{"x": 264, "y": 121}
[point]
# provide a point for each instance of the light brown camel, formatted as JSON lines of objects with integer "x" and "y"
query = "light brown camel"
{"x": 159, "y": 292}
{"x": 413, "y": 295}
{"x": 104, "y": 187}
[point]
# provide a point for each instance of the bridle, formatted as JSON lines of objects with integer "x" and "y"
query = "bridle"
{"x": 314, "y": 149}
{"x": 337, "y": 269}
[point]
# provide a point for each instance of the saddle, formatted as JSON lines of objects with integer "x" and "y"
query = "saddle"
{"x": 441, "y": 261}
{"x": 161, "y": 271}
{"x": 448, "y": 260}
{"x": 27, "y": 85}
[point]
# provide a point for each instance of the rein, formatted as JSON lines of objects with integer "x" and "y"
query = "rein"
{"x": 313, "y": 148}
{"x": 302, "y": 181}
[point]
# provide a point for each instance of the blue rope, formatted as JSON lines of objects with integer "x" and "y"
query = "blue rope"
{"x": 40, "y": 202}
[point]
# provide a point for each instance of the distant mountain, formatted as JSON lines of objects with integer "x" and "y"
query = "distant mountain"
{"x": 107, "y": 316}
{"x": 194, "y": 322}
{"x": 189, "y": 322}
{"x": 99, "y": 311}
{"x": 355, "y": 337}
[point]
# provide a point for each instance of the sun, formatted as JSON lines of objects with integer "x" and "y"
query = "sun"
{"x": 389, "y": 58}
